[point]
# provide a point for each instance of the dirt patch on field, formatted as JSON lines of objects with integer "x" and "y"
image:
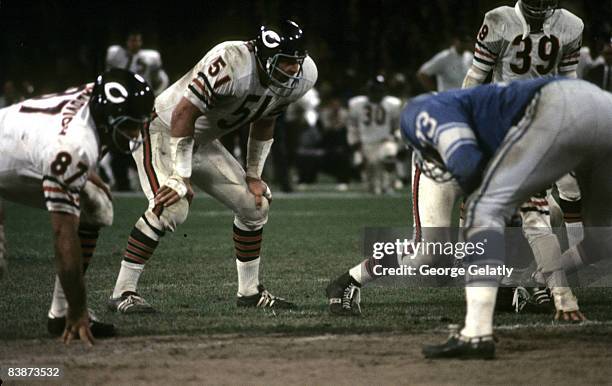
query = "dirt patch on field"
{"x": 313, "y": 360}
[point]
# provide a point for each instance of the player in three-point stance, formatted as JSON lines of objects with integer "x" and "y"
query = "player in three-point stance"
{"x": 49, "y": 148}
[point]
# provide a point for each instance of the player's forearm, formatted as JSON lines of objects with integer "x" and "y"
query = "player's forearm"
{"x": 69, "y": 263}
{"x": 182, "y": 129}
{"x": 426, "y": 81}
{"x": 474, "y": 77}
{"x": 571, "y": 74}
{"x": 259, "y": 145}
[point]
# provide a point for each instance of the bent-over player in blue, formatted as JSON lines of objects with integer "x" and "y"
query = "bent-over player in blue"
{"x": 502, "y": 143}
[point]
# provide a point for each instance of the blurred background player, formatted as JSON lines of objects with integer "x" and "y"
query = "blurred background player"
{"x": 148, "y": 64}
{"x": 49, "y": 148}
{"x": 373, "y": 121}
{"x": 532, "y": 39}
{"x": 236, "y": 83}
{"x": 447, "y": 69}
{"x": 600, "y": 72}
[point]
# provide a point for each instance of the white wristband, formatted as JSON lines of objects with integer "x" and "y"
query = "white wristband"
{"x": 182, "y": 153}
{"x": 257, "y": 152}
{"x": 177, "y": 184}
{"x": 474, "y": 77}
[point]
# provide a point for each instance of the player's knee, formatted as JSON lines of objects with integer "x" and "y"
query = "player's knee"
{"x": 251, "y": 218}
{"x": 174, "y": 215}
{"x": 96, "y": 207}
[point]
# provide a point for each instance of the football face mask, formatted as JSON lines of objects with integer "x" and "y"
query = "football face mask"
{"x": 126, "y": 137}
{"x": 432, "y": 166}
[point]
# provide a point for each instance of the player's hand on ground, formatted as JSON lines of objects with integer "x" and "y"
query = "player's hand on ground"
{"x": 167, "y": 195}
{"x": 259, "y": 189}
{"x": 570, "y": 316}
{"x": 78, "y": 327}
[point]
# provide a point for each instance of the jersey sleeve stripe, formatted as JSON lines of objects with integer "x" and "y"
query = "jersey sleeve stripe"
{"x": 209, "y": 88}
{"x": 567, "y": 64}
{"x": 448, "y": 153}
{"x": 485, "y": 48}
{"x": 484, "y": 54}
{"x": 483, "y": 61}
{"x": 54, "y": 182}
{"x": 200, "y": 96}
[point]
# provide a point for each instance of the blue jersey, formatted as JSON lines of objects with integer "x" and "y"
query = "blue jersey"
{"x": 466, "y": 127}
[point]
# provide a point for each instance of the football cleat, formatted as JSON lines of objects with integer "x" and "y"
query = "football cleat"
{"x": 532, "y": 299}
{"x": 344, "y": 295}
{"x": 56, "y": 326}
{"x": 264, "y": 299}
{"x": 130, "y": 303}
{"x": 461, "y": 347}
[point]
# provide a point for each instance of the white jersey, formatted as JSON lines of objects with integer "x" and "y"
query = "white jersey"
{"x": 52, "y": 139}
{"x": 506, "y": 45}
{"x": 449, "y": 67}
{"x": 146, "y": 63}
{"x": 226, "y": 87}
{"x": 371, "y": 122}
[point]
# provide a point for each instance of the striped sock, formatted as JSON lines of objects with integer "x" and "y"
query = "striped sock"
{"x": 89, "y": 240}
{"x": 248, "y": 247}
{"x": 138, "y": 251}
{"x": 247, "y": 244}
{"x": 139, "y": 248}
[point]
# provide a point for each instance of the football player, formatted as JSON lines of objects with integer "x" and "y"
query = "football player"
{"x": 373, "y": 121}
{"x": 235, "y": 84}
{"x": 532, "y": 39}
{"x": 503, "y": 143}
{"x": 448, "y": 66}
{"x": 434, "y": 199}
{"x": 148, "y": 64}
{"x": 535, "y": 38}
{"x": 49, "y": 148}
{"x": 145, "y": 62}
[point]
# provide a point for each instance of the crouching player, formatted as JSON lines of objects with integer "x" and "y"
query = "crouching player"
{"x": 237, "y": 83}
{"x": 49, "y": 148}
{"x": 503, "y": 143}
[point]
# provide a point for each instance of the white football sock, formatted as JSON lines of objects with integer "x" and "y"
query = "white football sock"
{"x": 360, "y": 274}
{"x": 59, "y": 304}
{"x": 248, "y": 277}
{"x": 480, "y": 307}
{"x": 128, "y": 278}
{"x": 575, "y": 233}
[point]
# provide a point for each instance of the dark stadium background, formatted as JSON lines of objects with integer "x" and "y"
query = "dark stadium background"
{"x": 55, "y": 44}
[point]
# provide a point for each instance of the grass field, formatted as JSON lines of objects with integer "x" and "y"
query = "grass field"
{"x": 191, "y": 279}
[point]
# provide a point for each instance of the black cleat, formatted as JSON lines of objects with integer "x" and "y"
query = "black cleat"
{"x": 130, "y": 303}
{"x": 461, "y": 347}
{"x": 344, "y": 295}
{"x": 532, "y": 300}
{"x": 264, "y": 299}
{"x": 56, "y": 327}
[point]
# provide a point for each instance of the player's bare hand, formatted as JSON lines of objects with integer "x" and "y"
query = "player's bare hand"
{"x": 78, "y": 327}
{"x": 258, "y": 188}
{"x": 167, "y": 196}
{"x": 570, "y": 316}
